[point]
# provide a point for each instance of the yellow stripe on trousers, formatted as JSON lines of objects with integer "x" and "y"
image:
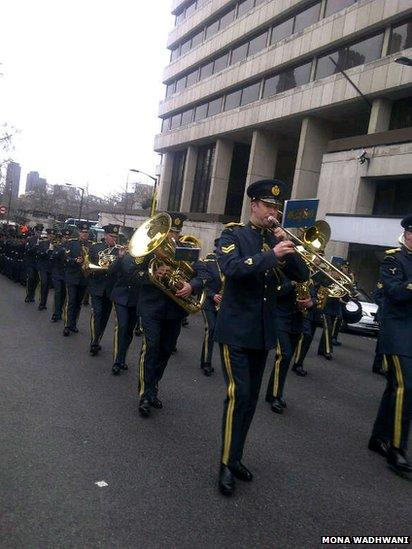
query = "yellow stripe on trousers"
{"x": 397, "y": 435}
{"x": 141, "y": 366}
{"x": 278, "y": 360}
{"x": 230, "y": 408}
{"x": 298, "y": 350}
{"x": 325, "y": 327}
{"x": 92, "y": 325}
{"x": 115, "y": 339}
{"x": 66, "y": 305}
{"x": 385, "y": 363}
{"x": 206, "y": 341}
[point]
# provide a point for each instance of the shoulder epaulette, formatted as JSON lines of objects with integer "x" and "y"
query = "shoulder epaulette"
{"x": 232, "y": 224}
{"x": 71, "y": 239}
{"x": 392, "y": 251}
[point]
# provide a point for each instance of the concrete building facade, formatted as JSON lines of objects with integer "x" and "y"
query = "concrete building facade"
{"x": 11, "y": 190}
{"x": 254, "y": 89}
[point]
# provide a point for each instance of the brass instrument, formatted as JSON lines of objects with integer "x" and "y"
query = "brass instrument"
{"x": 313, "y": 241}
{"x": 190, "y": 240}
{"x": 106, "y": 258}
{"x": 153, "y": 237}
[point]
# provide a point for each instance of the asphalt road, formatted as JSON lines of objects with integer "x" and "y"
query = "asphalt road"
{"x": 67, "y": 423}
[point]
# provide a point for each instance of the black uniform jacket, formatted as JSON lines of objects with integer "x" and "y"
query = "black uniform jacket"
{"x": 100, "y": 282}
{"x": 213, "y": 278}
{"x": 74, "y": 271}
{"x": 154, "y": 302}
{"x": 289, "y": 318}
{"x": 31, "y": 251}
{"x": 44, "y": 256}
{"x": 396, "y": 320}
{"x": 247, "y": 313}
{"x": 58, "y": 262}
{"x": 126, "y": 288}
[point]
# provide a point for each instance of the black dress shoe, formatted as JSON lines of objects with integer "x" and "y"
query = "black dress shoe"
{"x": 207, "y": 369}
{"x": 328, "y": 356}
{"x": 124, "y": 367}
{"x": 398, "y": 461}
{"x": 336, "y": 343}
{"x": 53, "y": 318}
{"x": 42, "y": 307}
{"x": 156, "y": 403}
{"x": 29, "y": 300}
{"x": 378, "y": 445}
{"x": 241, "y": 472}
{"x": 94, "y": 349}
{"x": 299, "y": 370}
{"x": 116, "y": 369}
{"x": 144, "y": 407}
{"x": 66, "y": 332}
{"x": 226, "y": 481}
{"x": 277, "y": 406}
{"x": 379, "y": 371}
{"x": 74, "y": 330}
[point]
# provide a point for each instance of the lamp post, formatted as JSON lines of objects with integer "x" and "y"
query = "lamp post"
{"x": 81, "y": 198}
{"x": 403, "y": 61}
{"x": 153, "y": 206}
{"x": 125, "y": 194}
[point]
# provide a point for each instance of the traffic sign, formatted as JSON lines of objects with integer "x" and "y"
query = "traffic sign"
{"x": 3, "y": 210}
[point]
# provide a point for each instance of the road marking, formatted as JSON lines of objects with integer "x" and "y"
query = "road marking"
{"x": 101, "y": 483}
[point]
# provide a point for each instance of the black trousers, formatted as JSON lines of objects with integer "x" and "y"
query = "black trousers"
{"x": 336, "y": 325}
{"x": 395, "y": 411}
{"x": 99, "y": 316}
{"x": 45, "y": 285}
{"x": 126, "y": 320}
{"x": 209, "y": 318}
{"x": 32, "y": 281}
{"x": 305, "y": 341}
{"x": 59, "y": 296}
{"x": 285, "y": 349}
{"x": 243, "y": 371}
{"x": 379, "y": 361}
{"x": 325, "y": 343}
{"x": 73, "y": 305}
{"x": 159, "y": 340}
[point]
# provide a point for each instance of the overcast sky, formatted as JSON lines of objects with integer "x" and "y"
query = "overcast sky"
{"x": 81, "y": 81}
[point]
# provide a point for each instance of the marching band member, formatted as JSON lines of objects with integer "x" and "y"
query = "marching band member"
{"x": 391, "y": 429}
{"x": 249, "y": 257}
{"x": 101, "y": 284}
{"x": 44, "y": 267}
{"x": 31, "y": 263}
{"x": 58, "y": 261}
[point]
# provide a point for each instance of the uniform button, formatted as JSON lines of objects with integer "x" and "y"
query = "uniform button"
{"x": 264, "y": 299}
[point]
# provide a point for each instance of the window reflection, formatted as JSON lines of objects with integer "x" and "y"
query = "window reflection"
{"x": 187, "y": 117}
{"x": 212, "y": 29}
{"x": 239, "y": 53}
{"x": 306, "y": 18}
{"x": 176, "y": 119}
{"x": 401, "y": 37}
{"x": 201, "y": 112}
{"x": 282, "y": 31}
{"x": 244, "y": 6}
{"x": 332, "y": 6}
{"x": 192, "y": 78}
{"x": 206, "y": 70}
{"x": 226, "y": 19}
{"x": 257, "y": 44}
{"x": 215, "y": 107}
{"x": 220, "y": 63}
{"x": 250, "y": 94}
{"x": 232, "y": 100}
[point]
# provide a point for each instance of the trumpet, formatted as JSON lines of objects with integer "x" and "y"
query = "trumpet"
{"x": 313, "y": 240}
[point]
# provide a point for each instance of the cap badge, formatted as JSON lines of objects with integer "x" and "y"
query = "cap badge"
{"x": 275, "y": 190}
{"x": 177, "y": 221}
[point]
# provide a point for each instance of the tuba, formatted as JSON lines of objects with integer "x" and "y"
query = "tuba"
{"x": 106, "y": 258}
{"x": 153, "y": 238}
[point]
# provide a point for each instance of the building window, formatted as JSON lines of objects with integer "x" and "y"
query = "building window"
{"x": 180, "y": 84}
{"x": 350, "y": 56}
{"x": 192, "y": 78}
{"x": 165, "y": 125}
{"x": 220, "y": 63}
{"x": 176, "y": 184}
{"x": 258, "y": 44}
{"x": 170, "y": 88}
{"x": 212, "y": 29}
{"x": 203, "y": 176}
{"x": 197, "y": 39}
{"x": 187, "y": 117}
{"x": 281, "y": 31}
{"x": 286, "y": 80}
{"x": 176, "y": 121}
{"x": 174, "y": 54}
{"x": 250, "y": 94}
{"x": 215, "y": 107}
{"x": 401, "y": 37}
{"x": 232, "y": 100}
{"x": 401, "y": 114}
{"x": 332, "y": 6}
{"x": 306, "y": 18}
{"x": 239, "y": 53}
{"x": 226, "y": 19}
{"x": 206, "y": 70}
{"x": 244, "y": 6}
{"x": 200, "y": 112}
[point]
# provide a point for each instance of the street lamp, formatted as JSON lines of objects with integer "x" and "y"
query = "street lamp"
{"x": 404, "y": 61}
{"x": 125, "y": 195}
{"x": 81, "y": 199}
{"x": 153, "y": 206}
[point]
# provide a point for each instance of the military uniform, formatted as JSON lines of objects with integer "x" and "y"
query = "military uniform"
{"x": 125, "y": 296}
{"x": 76, "y": 282}
{"x": 246, "y": 323}
{"x": 395, "y": 412}
{"x": 309, "y": 324}
{"x": 214, "y": 282}
{"x": 331, "y": 311}
{"x": 58, "y": 262}
{"x": 31, "y": 264}
{"x": 44, "y": 268}
{"x": 101, "y": 284}
{"x": 380, "y": 365}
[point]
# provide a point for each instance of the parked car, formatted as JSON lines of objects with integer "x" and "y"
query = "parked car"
{"x": 368, "y": 321}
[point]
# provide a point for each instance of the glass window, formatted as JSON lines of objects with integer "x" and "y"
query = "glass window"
{"x": 401, "y": 37}
{"x": 176, "y": 120}
{"x": 226, "y": 19}
{"x": 302, "y": 73}
{"x": 187, "y": 117}
{"x": 250, "y": 94}
{"x": 220, "y": 63}
{"x": 244, "y": 6}
{"x": 364, "y": 51}
{"x": 203, "y": 174}
{"x": 206, "y": 70}
{"x": 201, "y": 112}
{"x": 282, "y": 31}
{"x": 197, "y": 39}
{"x": 258, "y": 43}
{"x": 233, "y": 100}
{"x": 325, "y": 67}
{"x": 271, "y": 86}
{"x": 185, "y": 47}
{"x": 176, "y": 182}
{"x": 239, "y": 53}
{"x": 180, "y": 17}
{"x": 180, "y": 84}
{"x": 293, "y": 77}
{"x": 306, "y": 18}
{"x": 190, "y": 10}
{"x": 174, "y": 54}
{"x": 170, "y": 89}
{"x": 192, "y": 78}
{"x": 258, "y": 2}
{"x": 215, "y": 107}
{"x": 212, "y": 29}
{"x": 332, "y": 6}
{"x": 165, "y": 124}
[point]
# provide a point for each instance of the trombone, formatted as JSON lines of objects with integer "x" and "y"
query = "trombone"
{"x": 313, "y": 240}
